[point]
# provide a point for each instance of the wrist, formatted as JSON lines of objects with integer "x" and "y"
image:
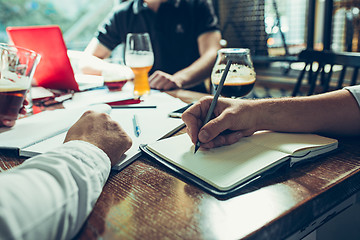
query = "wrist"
{"x": 263, "y": 114}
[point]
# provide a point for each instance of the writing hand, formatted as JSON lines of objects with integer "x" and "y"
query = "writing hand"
{"x": 233, "y": 119}
{"x": 100, "y": 130}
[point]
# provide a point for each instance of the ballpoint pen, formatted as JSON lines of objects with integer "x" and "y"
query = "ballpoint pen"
{"x": 136, "y": 125}
{"x": 214, "y": 101}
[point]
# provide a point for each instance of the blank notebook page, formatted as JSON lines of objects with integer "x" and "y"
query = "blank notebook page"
{"x": 226, "y": 166}
{"x": 221, "y": 167}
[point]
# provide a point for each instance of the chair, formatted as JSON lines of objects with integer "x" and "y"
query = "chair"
{"x": 319, "y": 65}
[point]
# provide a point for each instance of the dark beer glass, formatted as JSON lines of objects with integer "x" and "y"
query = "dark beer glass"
{"x": 17, "y": 67}
{"x": 241, "y": 77}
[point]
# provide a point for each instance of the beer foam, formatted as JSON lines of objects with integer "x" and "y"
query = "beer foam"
{"x": 10, "y": 81}
{"x": 139, "y": 59}
{"x": 237, "y": 74}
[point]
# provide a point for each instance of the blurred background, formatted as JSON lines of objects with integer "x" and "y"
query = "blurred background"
{"x": 268, "y": 27}
{"x": 275, "y": 30}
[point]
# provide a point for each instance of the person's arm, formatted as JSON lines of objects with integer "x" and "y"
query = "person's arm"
{"x": 335, "y": 113}
{"x": 209, "y": 44}
{"x": 92, "y": 61}
{"x": 51, "y": 195}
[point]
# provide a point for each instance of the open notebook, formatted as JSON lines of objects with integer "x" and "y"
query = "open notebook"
{"x": 222, "y": 170}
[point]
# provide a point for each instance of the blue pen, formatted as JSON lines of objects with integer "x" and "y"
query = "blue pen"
{"x": 136, "y": 125}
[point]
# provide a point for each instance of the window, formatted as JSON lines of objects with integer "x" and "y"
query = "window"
{"x": 78, "y": 19}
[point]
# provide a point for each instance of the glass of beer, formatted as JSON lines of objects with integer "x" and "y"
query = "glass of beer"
{"x": 139, "y": 57}
{"x": 241, "y": 77}
{"x": 17, "y": 67}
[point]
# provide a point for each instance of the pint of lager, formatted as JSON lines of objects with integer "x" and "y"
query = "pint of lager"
{"x": 139, "y": 57}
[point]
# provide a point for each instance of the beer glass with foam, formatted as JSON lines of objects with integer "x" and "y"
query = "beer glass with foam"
{"x": 17, "y": 67}
{"x": 139, "y": 57}
{"x": 241, "y": 77}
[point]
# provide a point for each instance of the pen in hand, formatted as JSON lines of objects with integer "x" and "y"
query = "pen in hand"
{"x": 136, "y": 125}
{"x": 214, "y": 101}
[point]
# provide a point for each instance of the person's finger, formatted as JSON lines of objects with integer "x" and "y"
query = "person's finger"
{"x": 154, "y": 76}
{"x": 8, "y": 123}
{"x": 214, "y": 127}
{"x": 169, "y": 85}
{"x": 22, "y": 110}
{"x": 155, "y": 82}
{"x": 194, "y": 116}
{"x": 224, "y": 139}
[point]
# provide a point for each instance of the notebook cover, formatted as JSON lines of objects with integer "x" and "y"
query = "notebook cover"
{"x": 54, "y": 70}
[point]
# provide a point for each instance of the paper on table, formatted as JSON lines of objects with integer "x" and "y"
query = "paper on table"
{"x": 154, "y": 123}
{"x": 96, "y": 96}
{"x": 39, "y": 127}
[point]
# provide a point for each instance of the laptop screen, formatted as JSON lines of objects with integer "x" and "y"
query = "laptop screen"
{"x": 54, "y": 70}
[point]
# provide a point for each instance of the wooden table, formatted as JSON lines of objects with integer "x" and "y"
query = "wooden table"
{"x": 146, "y": 201}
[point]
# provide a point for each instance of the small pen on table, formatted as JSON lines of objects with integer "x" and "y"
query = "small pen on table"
{"x": 136, "y": 125}
{"x": 214, "y": 101}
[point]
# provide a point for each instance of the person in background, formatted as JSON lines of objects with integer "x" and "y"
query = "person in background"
{"x": 51, "y": 195}
{"x": 184, "y": 33}
{"x": 335, "y": 113}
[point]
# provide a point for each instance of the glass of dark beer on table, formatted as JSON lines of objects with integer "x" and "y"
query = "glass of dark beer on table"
{"x": 241, "y": 77}
{"x": 17, "y": 67}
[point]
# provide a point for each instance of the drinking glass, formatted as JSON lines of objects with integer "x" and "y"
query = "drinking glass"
{"x": 241, "y": 77}
{"x": 139, "y": 57}
{"x": 17, "y": 67}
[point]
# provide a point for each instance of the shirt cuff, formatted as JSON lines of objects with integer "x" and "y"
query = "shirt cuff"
{"x": 90, "y": 155}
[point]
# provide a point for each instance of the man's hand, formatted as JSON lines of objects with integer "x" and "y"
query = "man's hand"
{"x": 163, "y": 81}
{"x": 100, "y": 130}
{"x": 233, "y": 120}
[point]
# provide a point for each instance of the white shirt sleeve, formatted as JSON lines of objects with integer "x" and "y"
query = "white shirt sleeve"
{"x": 50, "y": 196}
{"x": 355, "y": 91}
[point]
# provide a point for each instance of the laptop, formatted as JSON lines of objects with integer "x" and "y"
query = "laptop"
{"x": 54, "y": 70}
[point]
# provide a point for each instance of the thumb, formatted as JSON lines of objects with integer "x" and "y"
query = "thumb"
{"x": 213, "y": 128}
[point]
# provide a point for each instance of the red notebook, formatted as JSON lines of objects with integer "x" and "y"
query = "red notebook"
{"x": 54, "y": 70}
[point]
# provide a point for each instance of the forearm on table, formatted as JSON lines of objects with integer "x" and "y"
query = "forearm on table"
{"x": 92, "y": 61}
{"x": 50, "y": 196}
{"x": 198, "y": 71}
{"x": 92, "y": 65}
{"x": 331, "y": 113}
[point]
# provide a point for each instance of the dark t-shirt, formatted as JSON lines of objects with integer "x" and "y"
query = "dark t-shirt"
{"x": 173, "y": 30}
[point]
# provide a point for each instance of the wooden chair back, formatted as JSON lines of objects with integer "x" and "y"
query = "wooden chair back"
{"x": 320, "y": 67}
